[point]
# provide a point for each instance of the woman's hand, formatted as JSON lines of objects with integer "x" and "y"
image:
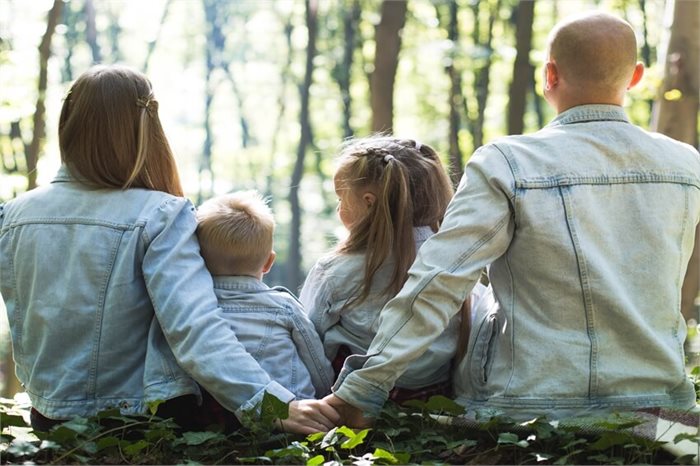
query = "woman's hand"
{"x": 349, "y": 415}
{"x": 310, "y": 416}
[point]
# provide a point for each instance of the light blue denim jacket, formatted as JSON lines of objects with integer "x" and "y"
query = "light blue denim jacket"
{"x": 588, "y": 225}
{"x": 334, "y": 280}
{"x": 109, "y": 300}
{"x": 272, "y": 325}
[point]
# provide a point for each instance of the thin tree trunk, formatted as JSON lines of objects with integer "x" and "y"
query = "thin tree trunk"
{"x": 91, "y": 31}
{"x": 35, "y": 147}
{"x": 676, "y": 109}
{"x": 522, "y": 69}
{"x": 294, "y": 257}
{"x": 282, "y": 106}
{"x": 351, "y": 17}
{"x": 646, "y": 49}
{"x": 386, "y": 61}
{"x": 152, "y": 43}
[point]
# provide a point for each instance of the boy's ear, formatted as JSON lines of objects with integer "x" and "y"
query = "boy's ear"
{"x": 270, "y": 261}
{"x": 637, "y": 75}
{"x": 551, "y": 75}
{"x": 369, "y": 199}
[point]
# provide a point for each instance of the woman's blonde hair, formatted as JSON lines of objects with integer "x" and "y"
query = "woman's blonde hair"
{"x": 110, "y": 135}
{"x": 412, "y": 189}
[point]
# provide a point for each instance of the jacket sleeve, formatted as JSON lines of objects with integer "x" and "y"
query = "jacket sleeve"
{"x": 181, "y": 291}
{"x": 316, "y": 296}
{"x": 477, "y": 229}
{"x": 310, "y": 350}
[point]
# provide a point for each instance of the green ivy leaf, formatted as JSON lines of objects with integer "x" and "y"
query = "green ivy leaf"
{"x": 153, "y": 406}
{"x": 443, "y": 404}
{"x": 316, "y": 460}
{"x": 356, "y": 439}
{"x": 198, "y": 438}
{"x": 611, "y": 439}
{"x": 14, "y": 420}
{"x": 273, "y": 408}
{"x": 106, "y": 442}
{"x": 136, "y": 447}
{"x": 695, "y": 438}
{"x": 22, "y": 448}
{"x": 382, "y": 454}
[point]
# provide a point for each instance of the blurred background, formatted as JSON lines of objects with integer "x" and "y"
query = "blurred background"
{"x": 258, "y": 94}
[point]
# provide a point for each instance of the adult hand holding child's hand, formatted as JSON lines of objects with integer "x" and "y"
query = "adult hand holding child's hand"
{"x": 310, "y": 416}
{"x": 349, "y": 415}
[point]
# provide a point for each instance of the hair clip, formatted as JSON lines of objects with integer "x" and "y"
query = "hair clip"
{"x": 418, "y": 146}
{"x": 147, "y": 103}
{"x": 388, "y": 158}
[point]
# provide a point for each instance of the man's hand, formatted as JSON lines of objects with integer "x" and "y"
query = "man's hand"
{"x": 349, "y": 415}
{"x": 310, "y": 416}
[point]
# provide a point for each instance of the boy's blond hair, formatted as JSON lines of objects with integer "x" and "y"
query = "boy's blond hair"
{"x": 235, "y": 233}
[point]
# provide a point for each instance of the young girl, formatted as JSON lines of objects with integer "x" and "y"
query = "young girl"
{"x": 392, "y": 196}
{"x": 108, "y": 299}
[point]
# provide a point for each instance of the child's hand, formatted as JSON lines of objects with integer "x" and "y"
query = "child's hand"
{"x": 310, "y": 416}
{"x": 349, "y": 415}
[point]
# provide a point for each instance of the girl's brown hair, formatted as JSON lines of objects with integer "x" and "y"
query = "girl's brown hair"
{"x": 412, "y": 189}
{"x": 110, "y": 135}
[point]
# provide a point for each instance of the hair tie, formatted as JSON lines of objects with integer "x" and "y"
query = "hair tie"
{"x": 388, "y": 158}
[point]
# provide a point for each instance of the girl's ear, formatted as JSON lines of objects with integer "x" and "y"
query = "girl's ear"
{"x": 369, "y": 199}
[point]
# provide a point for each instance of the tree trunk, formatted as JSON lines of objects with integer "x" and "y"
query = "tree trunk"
{"x": 676, "y": 109}
{"x": 522, "y": 69}
{"x": 35, "y": 146}
{"x": 457, "y": 103}
{"x": 91, "y": 31}
{"x": 294, "y": 257}
{"x": 152, "y": 43}
{"x": 351, "y": 17}
{"x": 386, "y": 61}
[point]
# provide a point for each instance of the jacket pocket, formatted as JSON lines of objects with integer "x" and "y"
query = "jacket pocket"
{"x": 482, "y": 350}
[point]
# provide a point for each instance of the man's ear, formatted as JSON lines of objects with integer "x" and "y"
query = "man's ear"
{"x": 637, "y": 75}
{"x": 270, "y": 261}
{"x": 369, "y": 199}
{"x": 551, "y": 75}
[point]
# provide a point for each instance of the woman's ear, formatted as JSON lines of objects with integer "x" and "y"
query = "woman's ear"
{"x": 369, "y": 199}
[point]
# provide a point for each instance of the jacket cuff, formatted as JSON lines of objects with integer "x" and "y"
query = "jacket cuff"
{"x": 353, "y": 389}
{"x": 250, "y": 410}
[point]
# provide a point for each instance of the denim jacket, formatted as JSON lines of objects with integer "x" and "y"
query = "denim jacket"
{"x": 110, "y": 304}
{"x": 588, "y": 225}
{"x": 272, "y": 325}
{"x": 334, "y": 280}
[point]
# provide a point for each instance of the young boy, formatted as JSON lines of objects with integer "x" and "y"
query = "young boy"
{"x": 235, "y": 235}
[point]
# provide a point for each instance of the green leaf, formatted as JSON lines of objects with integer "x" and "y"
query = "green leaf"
{"x": 695, "y": 438}
{"x": 355, "y": 440}
{"x": 136, "y": 447}
{"x": 611, "y": 439}
{"x": 77, "y": 424}
{"x": 198, "y": 438}
{"x": 273, "y": 408}
{"x": 106, "y": 442}
{"x": 316, "y": 460}
{"x": 22, "y": 448}
{"x": 382, "y": 454}
{"x": 153, "y": 406}
{"x": 443, "y": 404}
{"x": 316, "y": 436}
{"x": 14, "y": 420}
{"x": 62, "y": 434}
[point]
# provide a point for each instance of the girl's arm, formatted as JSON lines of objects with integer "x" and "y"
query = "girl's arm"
{"x": 317, "y": 298}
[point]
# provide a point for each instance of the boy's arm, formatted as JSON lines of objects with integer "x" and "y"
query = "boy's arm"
{"x": 311, "y": 352}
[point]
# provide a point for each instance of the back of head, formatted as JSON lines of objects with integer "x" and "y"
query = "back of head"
{"x": 596, "y": 52}
{"x": 110, "y": 135}
{"x": 235, "y": 233}
{"x": 412, "y": 189}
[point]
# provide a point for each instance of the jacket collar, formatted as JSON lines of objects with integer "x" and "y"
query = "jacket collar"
{"x": 587, "y": 113}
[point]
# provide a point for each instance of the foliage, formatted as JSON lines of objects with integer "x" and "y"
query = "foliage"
{"x": 415, "y": 433}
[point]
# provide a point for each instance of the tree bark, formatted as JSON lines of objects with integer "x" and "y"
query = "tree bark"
{"x": 35, "y": 146}
{"x": 386, "y": 61}
{"x": 294, "y": 257}
{"x": 91, "y": 31}
{"x": 351, "y": 17}
{"x": 522, "y": 68}
{"x": 676, "y": 109}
